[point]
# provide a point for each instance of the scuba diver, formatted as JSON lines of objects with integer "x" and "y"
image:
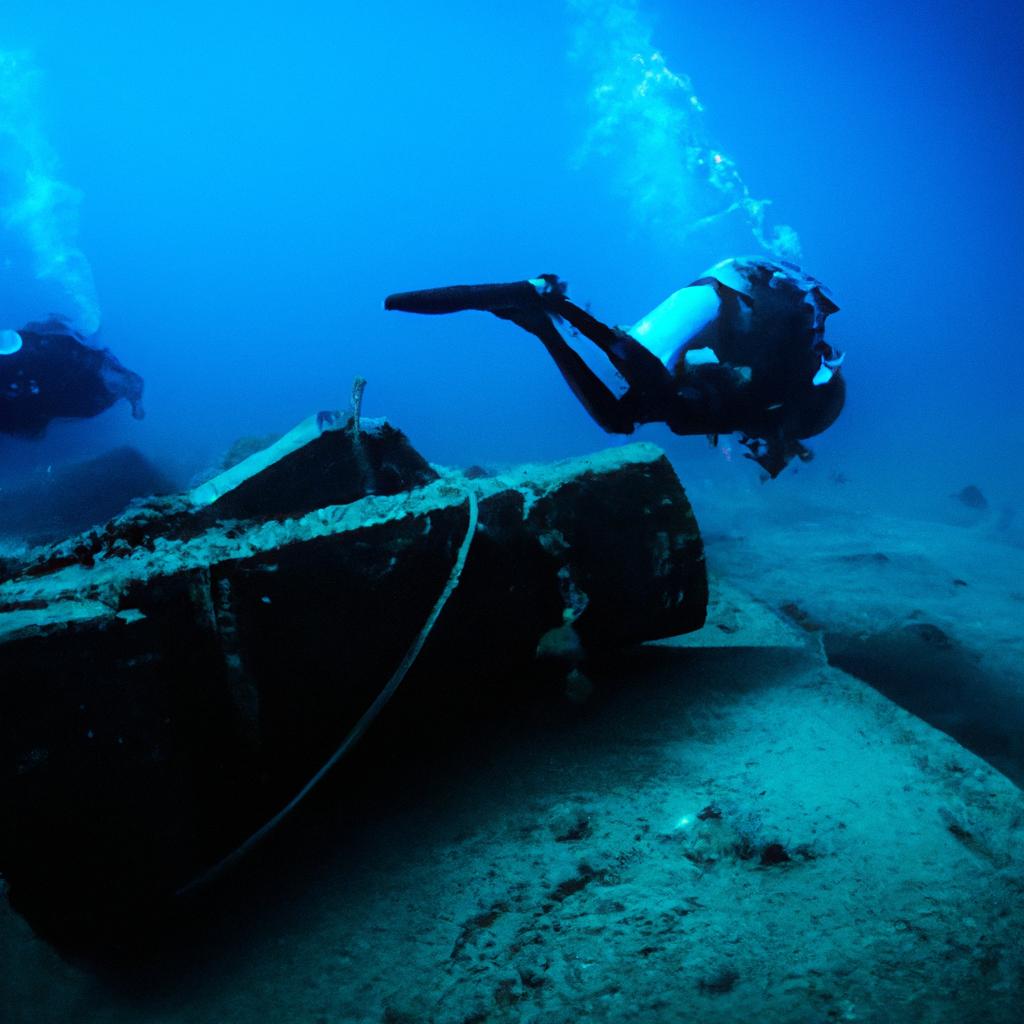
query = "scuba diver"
{"x": 741, "y": 350}
{"x": 48, "y": 370}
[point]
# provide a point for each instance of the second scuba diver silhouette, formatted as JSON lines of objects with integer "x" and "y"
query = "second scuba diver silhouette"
{"x": 741, "y": 350}
{"x": 49, "y": 371}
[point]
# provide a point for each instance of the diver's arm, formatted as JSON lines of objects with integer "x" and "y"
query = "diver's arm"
{"x": 774, "y": 454}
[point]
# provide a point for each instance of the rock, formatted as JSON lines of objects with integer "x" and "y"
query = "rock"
{"x": 172, "y": 680}
{"x": 972, "y": 497}
{"x": 72, "y": 498}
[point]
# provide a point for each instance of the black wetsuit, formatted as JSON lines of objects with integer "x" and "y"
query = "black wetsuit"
{"x": 768, "y": 339}
{"x": 55, "y": 374}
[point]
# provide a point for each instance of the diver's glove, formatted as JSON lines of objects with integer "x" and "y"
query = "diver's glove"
{"x": 774, "y": 454}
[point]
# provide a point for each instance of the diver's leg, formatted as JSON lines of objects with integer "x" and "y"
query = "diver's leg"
{"x": 483, "y": 297}
{"x": 531, "y": 304}
{"x": 610, "y": 412}
{"x": 709, "y": 398}
{"x": 641, "y": 368}
{"x": 705, "y": 399}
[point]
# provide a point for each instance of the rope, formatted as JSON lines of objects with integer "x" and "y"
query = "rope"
{"x": 365, "y": 721}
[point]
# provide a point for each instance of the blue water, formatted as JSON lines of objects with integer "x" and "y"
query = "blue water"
{"x": 239, "y": 185}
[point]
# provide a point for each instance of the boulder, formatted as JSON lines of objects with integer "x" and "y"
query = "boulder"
{"x": 50, "y": 505}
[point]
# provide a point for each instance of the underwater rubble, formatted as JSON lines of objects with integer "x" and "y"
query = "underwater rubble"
{"x": 172, "y": 680}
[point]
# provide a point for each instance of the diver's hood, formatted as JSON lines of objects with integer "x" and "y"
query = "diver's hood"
{"x": 737, "y": 273}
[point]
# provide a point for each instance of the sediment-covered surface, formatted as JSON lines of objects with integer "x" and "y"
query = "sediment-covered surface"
{"x": 929, "y": 612}
{"x": 733, "y": 833}
{"x": 728, "y": 828}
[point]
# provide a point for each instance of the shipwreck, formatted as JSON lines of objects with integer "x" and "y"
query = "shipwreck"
{"x": 173, "y": 682}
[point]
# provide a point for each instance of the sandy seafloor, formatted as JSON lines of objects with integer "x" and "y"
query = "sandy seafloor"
{"x": 727, "y": 829}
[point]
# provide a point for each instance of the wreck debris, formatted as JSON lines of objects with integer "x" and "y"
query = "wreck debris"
{"x": 171, "y": 681}
{"x": 366, "y": 719}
